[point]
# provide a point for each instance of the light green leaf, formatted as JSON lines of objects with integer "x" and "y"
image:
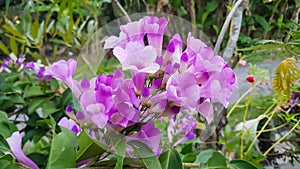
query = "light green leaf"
{"x": 170, "y": 159}
{"x": 63, "y": 151}
{"x": 6, "y": 127}
{"x": 48, "y": 108}
{"x": 146, "y": 154}
{"x": 211, "y": 159}
{"x": 13, "y": 46}
{"x": 35, "y": 29}
{"x": 33, "y": 91}
{"x": 4, "y": 48}
{"x": 88, "y": 147}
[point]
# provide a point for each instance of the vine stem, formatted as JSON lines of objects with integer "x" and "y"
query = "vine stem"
{"x": 240, "y": 99}
{"x": 262, "y": 129}
{"x": 244, "y": 120}
{"x": 191, "y": 165}
{"x": 282, "y": 138}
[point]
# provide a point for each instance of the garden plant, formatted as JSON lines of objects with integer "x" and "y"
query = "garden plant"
{"x": 123, "y": 84}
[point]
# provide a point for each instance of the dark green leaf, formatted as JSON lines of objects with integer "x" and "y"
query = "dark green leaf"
{"x": 170, "y": 159}
{"x": 262, "y": 21}
{"x": 7, "y": 162}
{"x": 35, "y": 103}
{"x": 189, "y": 158}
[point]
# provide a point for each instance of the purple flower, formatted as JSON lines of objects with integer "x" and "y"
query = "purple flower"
{"x": 206, "y": 109}
{"x": 31, "y": 66}
{"x": 183, "y": 90}
{"x": 213, "y": 74}
{"x": 181, "y": 129}
{"x": 137, "y": 57}
{"x": 148, "y": 135}
{"x": 15, "y": 144}
{"x": 155, "y": 28}
{"x": 69, "y": 124}
{"x": 194, "y": 46}
{"x": 63, "y": 70}
{"x": 174, "y": 50}
{"x": 134, "y": 31}
{"x": 93, "y": 111}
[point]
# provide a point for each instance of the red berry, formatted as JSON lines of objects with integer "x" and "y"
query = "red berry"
{"x": 250, "y": 79}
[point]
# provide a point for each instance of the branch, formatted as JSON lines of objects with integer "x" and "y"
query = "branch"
{"x": 122, "y": 10}
{"x": 235, "y": 32}
{"x": 226, "y": 25}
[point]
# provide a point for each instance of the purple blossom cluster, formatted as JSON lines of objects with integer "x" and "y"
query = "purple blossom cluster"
{"x": 181, "y": 130}
{"x": 19, "y": 64}
{"x": 162, "y": 83}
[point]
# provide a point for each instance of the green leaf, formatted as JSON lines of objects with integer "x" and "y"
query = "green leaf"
{"x": 35, "y": 29}
{"x": 63, "y": 151}
{"x": 4, "y": 48}
{"x": 170, "y": 159}
{"x": 120, "y": 149}
{"x": 48, "y": 108}
{"x": 189, "y": 158}
{"x": 146, "y": 155}
{"x": 211, "y": 159}
{"x": 34, "y": 104}
{"x": 13, "y": 31}
{"x": 241, "y": 164}
{"x": 3, "y": 144}
{"x": 88, "y": 147}
{"x": 13, "y": 46}
{"x": 33, "y": 91}
{"x": 262, "y": 21}
{"x": 6, "y": 127}
{"x": 7, "y": 162}
{"x": 40, "y": 32}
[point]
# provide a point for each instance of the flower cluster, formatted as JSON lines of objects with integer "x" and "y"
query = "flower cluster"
{"x": 19, "y": 64}
{"x": 162, "y": 83}
{"x": 181, "y": 130}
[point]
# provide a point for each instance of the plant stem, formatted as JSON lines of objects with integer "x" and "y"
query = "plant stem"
{"x": 262, "y": 129}
{"x": 244, "y": 120}
{"x": 282, "y": 138}
{"x": 122, "y": 10}
{"x": 240, "y": 99}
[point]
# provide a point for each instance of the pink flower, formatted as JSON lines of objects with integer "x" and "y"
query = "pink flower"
{"x": 242, "y": 63}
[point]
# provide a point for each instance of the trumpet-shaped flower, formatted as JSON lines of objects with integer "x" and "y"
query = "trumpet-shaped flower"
{"x": 137, "y": 57}
{"x": 155, "y": 28}
{"x": 15, "y": 144}
{"x": 183, "y": 90}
